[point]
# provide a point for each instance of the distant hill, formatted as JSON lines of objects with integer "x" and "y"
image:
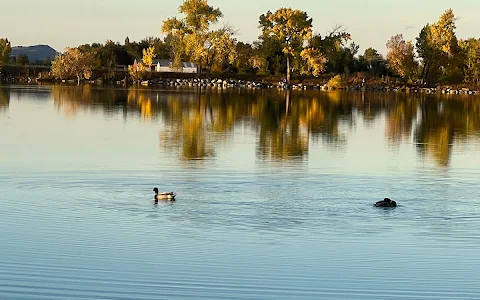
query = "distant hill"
{"x": 35, "y": 53}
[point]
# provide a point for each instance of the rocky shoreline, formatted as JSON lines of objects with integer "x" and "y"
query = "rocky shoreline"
{"x": 229, "y": 83}
{"x": 257, "y": 84}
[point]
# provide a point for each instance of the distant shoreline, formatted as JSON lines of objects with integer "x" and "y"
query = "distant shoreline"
{"x": 352, "y": 83}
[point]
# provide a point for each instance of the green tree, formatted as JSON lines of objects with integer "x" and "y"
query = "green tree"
{"x": 471, "y": 48}
{"x": 291, "y": 28}
{"x": 22, "y": 60}
{"x": 268, "y": 56}
{"x": 437, "y": 46}
{"x": 334, "y": 46}
{"x": 161, "y": 48}
{"x": 245, "y": 52}
{"x": 371, "y": 61}
{"x": 5, "y": 50}
{"x": 429, "y": 54}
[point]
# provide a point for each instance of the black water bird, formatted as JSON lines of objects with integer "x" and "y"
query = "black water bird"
{"x": 386, "y": 203}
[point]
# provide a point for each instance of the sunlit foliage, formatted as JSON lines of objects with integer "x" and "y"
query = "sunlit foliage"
{"x": 193, "y": 36}
{"x": 5, "y": 50}
{"x": 291, "y": 28}
{"x": 73, "y": 64}
{"x": 401, "y": 56}
{"x": 438, "y": 47}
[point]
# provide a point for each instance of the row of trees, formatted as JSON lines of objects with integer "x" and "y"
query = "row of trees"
{"x": 287, "y": 45}
{"x": 438, "y": 56}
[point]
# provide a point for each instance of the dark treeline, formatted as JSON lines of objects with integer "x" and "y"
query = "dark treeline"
{"x": 286, "y": 46}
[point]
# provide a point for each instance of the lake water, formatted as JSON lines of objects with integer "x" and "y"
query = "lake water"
{"x": 275, "y": 194}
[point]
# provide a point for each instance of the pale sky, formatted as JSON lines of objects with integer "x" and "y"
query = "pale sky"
{"x": 62, "y": 23}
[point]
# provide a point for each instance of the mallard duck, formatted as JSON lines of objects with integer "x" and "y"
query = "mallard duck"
{"x": 164, "y": 196}
{"x": 386, "y": 203}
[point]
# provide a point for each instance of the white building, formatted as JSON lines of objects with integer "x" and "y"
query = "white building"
{"x": 165, "y": 66}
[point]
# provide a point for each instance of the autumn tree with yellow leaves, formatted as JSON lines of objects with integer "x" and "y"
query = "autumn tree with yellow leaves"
{"x": 194, "y": 36}
{"x": 401, "y": 56}
{"x": 73, "y": 64}
{"x": 5, "y": 50}
{"x": 142, "y": 70}
{"x": 292, "y": 28}
{"x": 286, "y": 46}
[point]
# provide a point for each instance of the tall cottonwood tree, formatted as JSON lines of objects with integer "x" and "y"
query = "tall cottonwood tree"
{"x": 437, "y": 46}
{"x": 401, "y": 56}
{"x": 194, "y": 36}
{"x": 292, "y": 28}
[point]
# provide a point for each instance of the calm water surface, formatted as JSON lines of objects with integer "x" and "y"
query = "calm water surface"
{"x": 275, "y": 194}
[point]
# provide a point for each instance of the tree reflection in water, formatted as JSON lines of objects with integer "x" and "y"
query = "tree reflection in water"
{"x": 4, "y": 99}
{"x": 196, "y": 121}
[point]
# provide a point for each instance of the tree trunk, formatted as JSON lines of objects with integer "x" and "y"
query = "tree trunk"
{"x": 287, "y": 99}
{"x": 288, "y": 69}
{"x": 425, "y": 72}
{"x": 78, "y": 79}
{"x": 209, "y": 70}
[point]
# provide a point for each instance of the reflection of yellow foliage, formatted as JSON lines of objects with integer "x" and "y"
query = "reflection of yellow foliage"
{"x": 4, "y": 99}
{"x": 438, "y": 145}
{"x": 445, "y": 121}
{"x": 65, "y": 98}
{"x": 400, "y": 121}
{"x": 314, "y": 116}
{"x": 335, "y": 97}
{"x": 188, "y": 128}
{"x": 194, "y": 123}
{"x": 194, "y": 138}
{"x": 146, "y": 109}
{"x": 142, "y": 101}
{"x": 286, "y": 143}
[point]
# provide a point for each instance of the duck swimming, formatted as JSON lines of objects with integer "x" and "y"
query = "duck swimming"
{"x": 386, "y": 203}
{"x": 164, "y": 196}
